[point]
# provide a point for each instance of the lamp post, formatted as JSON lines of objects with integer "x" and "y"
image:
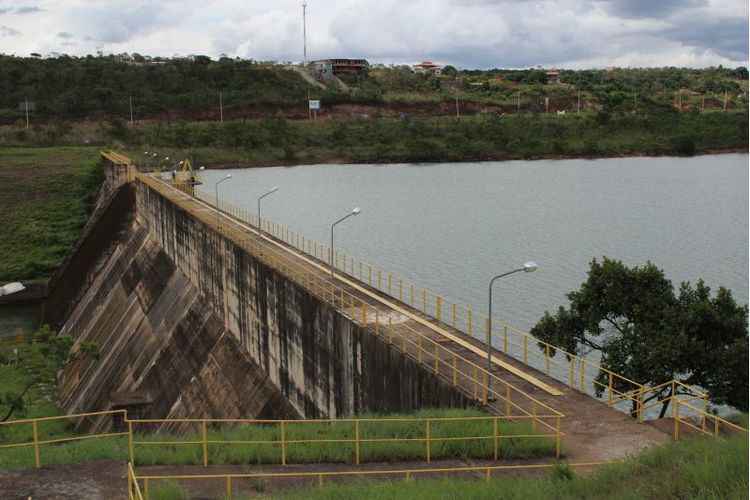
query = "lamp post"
{"x": 354, "y": 212}
{"x": 216, "y": 187}
{"x": 271, "y": 191}
{"x": 528, "y": 267}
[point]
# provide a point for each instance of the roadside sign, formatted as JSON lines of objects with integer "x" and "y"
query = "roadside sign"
{"x": 315, "y": 105}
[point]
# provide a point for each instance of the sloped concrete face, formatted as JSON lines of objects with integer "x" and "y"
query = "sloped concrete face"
{"x": 189, "y": 324}
{"x": 320, "y": 360}
{"x": 159, "y": 344}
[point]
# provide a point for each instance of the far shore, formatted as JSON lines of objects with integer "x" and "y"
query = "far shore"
{"x": 493, "y": 158}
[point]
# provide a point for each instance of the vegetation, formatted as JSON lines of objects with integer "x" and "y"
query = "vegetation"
{"x": 280, "y": 141}
{"x": 72, "y": 88}
{"x": 648, "y": 333}
{"x": 699, "y": 468}
{"x": 32, "y": 366}
{"x": 175, "y": 453}
{"x": 45, "y": 197}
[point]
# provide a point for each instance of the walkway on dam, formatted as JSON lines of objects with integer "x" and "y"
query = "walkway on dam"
{"x": 593, "y": 431}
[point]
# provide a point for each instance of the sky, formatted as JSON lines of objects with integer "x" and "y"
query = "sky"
{"x": 465, "y": 33}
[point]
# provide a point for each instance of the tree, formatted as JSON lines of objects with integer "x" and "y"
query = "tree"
{"x": 449, "y": 71}
{"x": 39, "y": 359}
{"x": 647, "y": 333}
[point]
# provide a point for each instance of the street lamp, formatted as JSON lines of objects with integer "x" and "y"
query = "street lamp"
{"x": 355, "y": 211}
{"x": 528, "y": 267}
{"x": 216, "y": 187}
{"x": 271, "y": 191}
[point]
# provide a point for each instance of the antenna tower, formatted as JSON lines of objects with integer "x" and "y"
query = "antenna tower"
{"x": 304, "y": 29}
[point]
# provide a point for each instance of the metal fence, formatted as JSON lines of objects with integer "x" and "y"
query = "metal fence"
{"x": 451, "y": 366}
{"x": 576, "y": 372}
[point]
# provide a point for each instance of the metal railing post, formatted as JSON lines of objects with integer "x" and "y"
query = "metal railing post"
{"x": 356, "y": 439}
{"x": 229, "y": 487}
{"x": 557, "y": 436}
{"x": 427, "y": 438}
{"x": 505, "y": 339}
{"x": 35, "y": 431}
{"x": 455, "y": 371}
{"x": 546, "y": 357}
{"x": 507, "y": 400}
{"x": 526, "y": 349}
{"x": 283, "y": 442}
{"x": 131, "y": 454}
{"x": 204, "y": 432}
{"x": 495, "y": 434}
{"x": 609, "y": 385}
{"x": 439, "y": 308}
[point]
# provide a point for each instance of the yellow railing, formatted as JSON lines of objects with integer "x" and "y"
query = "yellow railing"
{"x": 576, "y": 372}
{"x": 229, "y": 482}
{"x": 470, "y": 377}
{"x": 354, "y": 435}
{"x": 134, "y": 489}
{"x": 37, "y": 440}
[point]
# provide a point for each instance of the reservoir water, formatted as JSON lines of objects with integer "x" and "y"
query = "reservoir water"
{"x": 451, "y": 226}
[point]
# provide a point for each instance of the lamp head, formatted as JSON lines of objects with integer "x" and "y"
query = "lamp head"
{"x": 202, "y": 168}
{"x": 356, "y": 211}
{"x": 530, "y": 266}
{"x": 228, "y": 176}
{"x": 274, "y": 189}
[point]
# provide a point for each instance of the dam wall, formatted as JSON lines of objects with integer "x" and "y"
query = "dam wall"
{"x": 185, "y": 322}
{"x": 323, "y": 362}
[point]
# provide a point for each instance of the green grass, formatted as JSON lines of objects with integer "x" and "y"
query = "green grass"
{"x": 247, "y": 453}
{"x": 45, "y": 196}
{"x": 698, "y": 468}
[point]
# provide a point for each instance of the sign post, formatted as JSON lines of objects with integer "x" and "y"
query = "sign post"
{"x": 314, "y": 106}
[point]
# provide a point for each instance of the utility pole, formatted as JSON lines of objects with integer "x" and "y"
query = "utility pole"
{"x": 221, "y": 108}
{"x": 546, "y": 104}
{"x": 304, "y": 30}
{"x": 309, "y": 111}
{"x": 131, "y": 110}
{"x": 725, "y": 100}
{"x": 27, "y": 112}
{"x": 703, "y": 103}
{"x": 458, "y": 113}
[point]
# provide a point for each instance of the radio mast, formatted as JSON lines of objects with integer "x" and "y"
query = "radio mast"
{"x": 304, "y": 29}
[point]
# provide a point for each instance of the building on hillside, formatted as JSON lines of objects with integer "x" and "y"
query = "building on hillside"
{"x": 553, "y": 76}
{"x": 427, "y": 67}
{"x": 325, "y": 69}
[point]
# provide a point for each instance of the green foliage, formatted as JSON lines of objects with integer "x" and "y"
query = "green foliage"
{"x": 174, "y": 453}
{"x": 696, "y": 469}
{"x": 45, "y": 197}
{"x": 649, "y": 334}
{"x": 37, "y": 361}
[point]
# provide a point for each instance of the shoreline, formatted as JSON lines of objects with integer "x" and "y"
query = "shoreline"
{"x": 488, "y": 158}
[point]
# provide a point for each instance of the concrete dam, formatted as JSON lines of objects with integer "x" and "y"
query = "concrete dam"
{"x": 192, "y": 321}
{"x": 197, "y": 310}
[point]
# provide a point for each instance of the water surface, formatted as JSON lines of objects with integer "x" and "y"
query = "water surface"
{"x": 450, "y": 226}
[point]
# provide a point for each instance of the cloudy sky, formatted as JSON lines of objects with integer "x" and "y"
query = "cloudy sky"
{"x": 466, "y": 33}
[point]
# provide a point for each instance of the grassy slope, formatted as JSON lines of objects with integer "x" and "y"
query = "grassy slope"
{"x": 695, "y": 468}
{"x": 181, "y": 454}
{"x": 44, "y": 197}
{"x": 444, "y": 139}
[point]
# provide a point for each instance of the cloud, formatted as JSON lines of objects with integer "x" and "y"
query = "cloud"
{"x": 28, "y": 10}
{"x": 8, "y": 31}
{"x": 639, "y": 9}
{"x": 465, "y": 33}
